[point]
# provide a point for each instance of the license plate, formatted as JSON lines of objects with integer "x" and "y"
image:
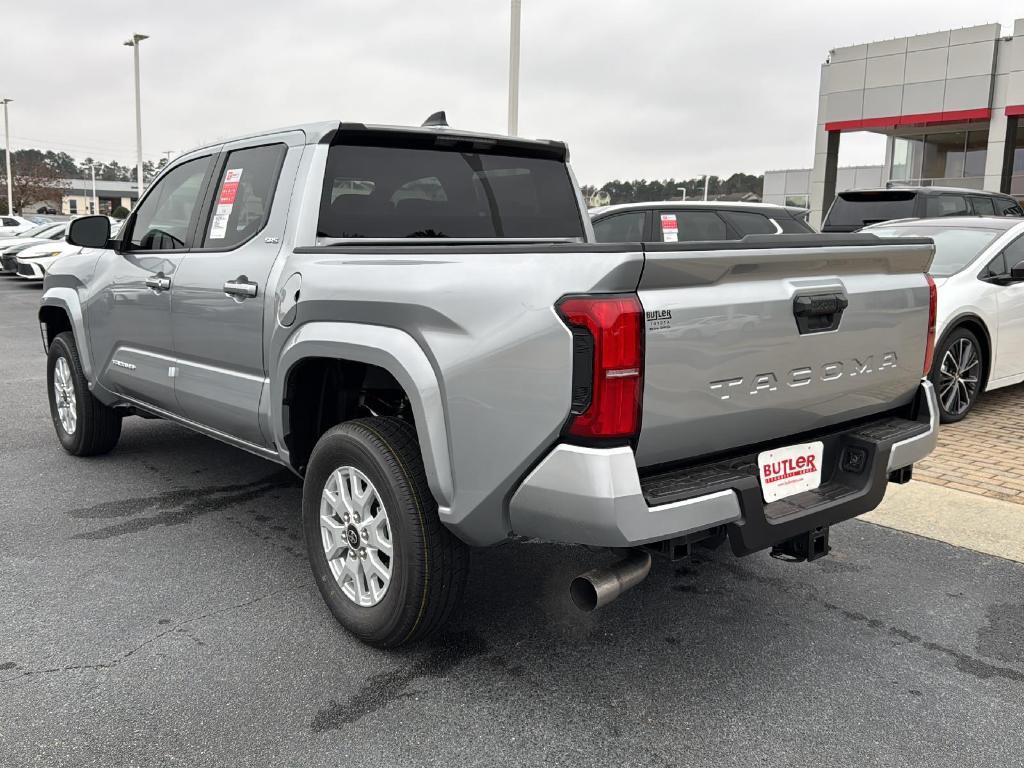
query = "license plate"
{"x": 791, "y": 470}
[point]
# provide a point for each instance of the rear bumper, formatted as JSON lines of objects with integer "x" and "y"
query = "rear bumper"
{"x": 596, "y": 496}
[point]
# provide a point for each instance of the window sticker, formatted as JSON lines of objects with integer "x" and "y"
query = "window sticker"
{"x": 669, "y": 228}
{"x": 225, "y": 202}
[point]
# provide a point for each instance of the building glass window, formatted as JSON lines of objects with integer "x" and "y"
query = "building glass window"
{"x": 1017, "y": 180}
{"x": 974, "y": 155}
{"x": 955, "y": 158}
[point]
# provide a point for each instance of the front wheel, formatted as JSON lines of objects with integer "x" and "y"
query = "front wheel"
{"x": 387, "y": 568}
{"x": 84, "y": 425}
{"x": 957, "y": 374}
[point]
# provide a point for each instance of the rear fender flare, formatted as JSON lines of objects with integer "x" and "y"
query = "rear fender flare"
{"x": 396, "y": 352}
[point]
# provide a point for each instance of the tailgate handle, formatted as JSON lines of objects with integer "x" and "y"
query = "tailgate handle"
{"x": 819, "y": 312}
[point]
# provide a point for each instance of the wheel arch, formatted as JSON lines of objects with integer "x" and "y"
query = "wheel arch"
{"x": 59, "y": 311}
{"x": 979, "y": 328}
{"x": 389, "y": 355}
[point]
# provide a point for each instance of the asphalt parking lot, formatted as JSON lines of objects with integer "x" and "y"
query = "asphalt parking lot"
{"x": 157, "y": 609}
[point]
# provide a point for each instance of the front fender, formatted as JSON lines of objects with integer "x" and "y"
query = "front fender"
{"x": 66, "y": 298}
{"x": 396, "y": 352}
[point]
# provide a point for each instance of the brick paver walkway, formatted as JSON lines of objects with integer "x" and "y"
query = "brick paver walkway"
{"x": 984, "y": 453}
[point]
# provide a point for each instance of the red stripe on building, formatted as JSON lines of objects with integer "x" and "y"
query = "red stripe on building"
{"x": 1015, "y": 111}
{"x": 926, "y": 118}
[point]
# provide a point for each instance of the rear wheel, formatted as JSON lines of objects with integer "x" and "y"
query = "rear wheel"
{"x": 957, "y": 374}
{"x": 84, "y": 425}
{"x": 390, "y": 572}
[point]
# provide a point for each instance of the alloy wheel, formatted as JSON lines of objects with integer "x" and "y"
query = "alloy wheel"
{"x": 356, "y": 536}
{"x": 64, "y": 396}
{"x": 959, "y": 377}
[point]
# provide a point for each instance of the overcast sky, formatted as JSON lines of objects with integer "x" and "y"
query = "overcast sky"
{"x": 638, "y": 88}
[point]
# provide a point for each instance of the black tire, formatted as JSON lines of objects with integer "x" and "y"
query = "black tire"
{"x": 954, "y": 406}
{"x": 429, "y": 565}
{"x": 98, "y": 426}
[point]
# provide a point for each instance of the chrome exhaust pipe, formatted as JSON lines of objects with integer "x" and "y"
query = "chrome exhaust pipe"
{"x": 595, "y": 589}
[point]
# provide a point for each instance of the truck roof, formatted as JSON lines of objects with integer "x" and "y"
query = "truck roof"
{"x": 324, "y": 131}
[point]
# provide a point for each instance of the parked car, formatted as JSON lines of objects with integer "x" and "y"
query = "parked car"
{"x": 855, "y": 209}
{"x": 34, "y": 261}
{"x": 417, "y": 322}
{"x": 10, "y": 247}
{"x": 694, "y": 221}
{"x": 979, "y": 271}
{"x": 15, "y": 225}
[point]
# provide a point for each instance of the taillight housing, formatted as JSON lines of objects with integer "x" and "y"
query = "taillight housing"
{"x": 933, "y": 306}
{"x": 608, "y": 365}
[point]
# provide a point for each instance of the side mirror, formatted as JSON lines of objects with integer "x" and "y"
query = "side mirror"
{"x": 89, "y": 232}
{"x": 1017, "y": 272}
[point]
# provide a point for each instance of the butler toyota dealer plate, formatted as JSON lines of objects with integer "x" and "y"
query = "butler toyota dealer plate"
{"x": 791, "y": 470}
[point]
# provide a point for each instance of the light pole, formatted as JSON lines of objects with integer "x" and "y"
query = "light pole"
{"x": 134, "y": 44}
{"x": 95, "y": 200}
{"x": 705, "y": 187}
{"x": 7, "y": 155}
{"x": 513, "y": 69}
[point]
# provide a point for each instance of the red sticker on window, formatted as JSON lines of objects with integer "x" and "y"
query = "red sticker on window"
{"x": 228, "y": 192}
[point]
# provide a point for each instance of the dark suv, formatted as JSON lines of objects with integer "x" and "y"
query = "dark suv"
{"x": 697, "y": 221}
{"x": 857, "y": 208}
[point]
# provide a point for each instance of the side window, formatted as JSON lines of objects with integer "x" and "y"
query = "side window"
{"x": 746, "y": 223}
{"x": 1007, "y": 207}
{"x": 244, "y": 194}
{"x": 693, "y": 226}
{"x": 1014, "y": 254}
{"x": 996, "y": 267}
{"x": 983, "y": 206}
{"x": 791, "y": 226}
{"x": 620, "y": 228}
{"x": 945, "y": 205}
{"x": 10, "y": 223}
{"x": 162, "y": 219}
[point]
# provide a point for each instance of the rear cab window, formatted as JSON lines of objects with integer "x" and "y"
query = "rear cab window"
{"x": 396, "y": 185}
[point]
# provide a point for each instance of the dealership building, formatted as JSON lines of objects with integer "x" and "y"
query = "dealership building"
{"x": 950, "y": 104}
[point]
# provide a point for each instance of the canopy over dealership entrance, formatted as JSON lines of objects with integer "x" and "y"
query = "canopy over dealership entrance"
{"x": 950, "y": 104}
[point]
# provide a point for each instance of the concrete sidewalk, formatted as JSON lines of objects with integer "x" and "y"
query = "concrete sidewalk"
{"x": 963, "y": 519}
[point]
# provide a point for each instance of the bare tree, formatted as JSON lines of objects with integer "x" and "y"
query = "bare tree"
{"x": 35, "y": 178}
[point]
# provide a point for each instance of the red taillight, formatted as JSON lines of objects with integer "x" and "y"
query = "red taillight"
{"x": 933, "y": 300}
{"x": 608, "y": 339}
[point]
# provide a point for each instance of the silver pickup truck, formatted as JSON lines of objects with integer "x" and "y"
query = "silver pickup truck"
{"x": 418, "y": 322}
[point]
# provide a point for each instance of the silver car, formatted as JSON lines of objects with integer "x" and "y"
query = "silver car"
{"x": 979, "y": 272}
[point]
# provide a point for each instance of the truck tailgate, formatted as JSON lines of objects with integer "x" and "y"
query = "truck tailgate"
{"x": 770, "y": 337}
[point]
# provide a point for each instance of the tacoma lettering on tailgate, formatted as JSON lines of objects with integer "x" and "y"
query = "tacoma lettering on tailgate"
{"x": 801, "y": 377}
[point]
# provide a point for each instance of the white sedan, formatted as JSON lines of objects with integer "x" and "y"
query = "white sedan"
{"x": 34, "y": 262}
{"x": 979, "y": 273}
{"x": 15, "y": 225}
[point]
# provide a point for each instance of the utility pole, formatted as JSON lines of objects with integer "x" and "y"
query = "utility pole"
{"x": 134, "y": 44}
{"x": 95, "y": 200}
{"x": 7, "y": 154}
{"x": 513, "y": 69}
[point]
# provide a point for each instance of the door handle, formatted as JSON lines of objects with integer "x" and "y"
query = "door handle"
{"x": 159, "y": 282}
{"x": 241, "y": 287}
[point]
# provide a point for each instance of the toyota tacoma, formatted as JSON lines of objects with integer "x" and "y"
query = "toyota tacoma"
{"x": 419, "y": 323}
